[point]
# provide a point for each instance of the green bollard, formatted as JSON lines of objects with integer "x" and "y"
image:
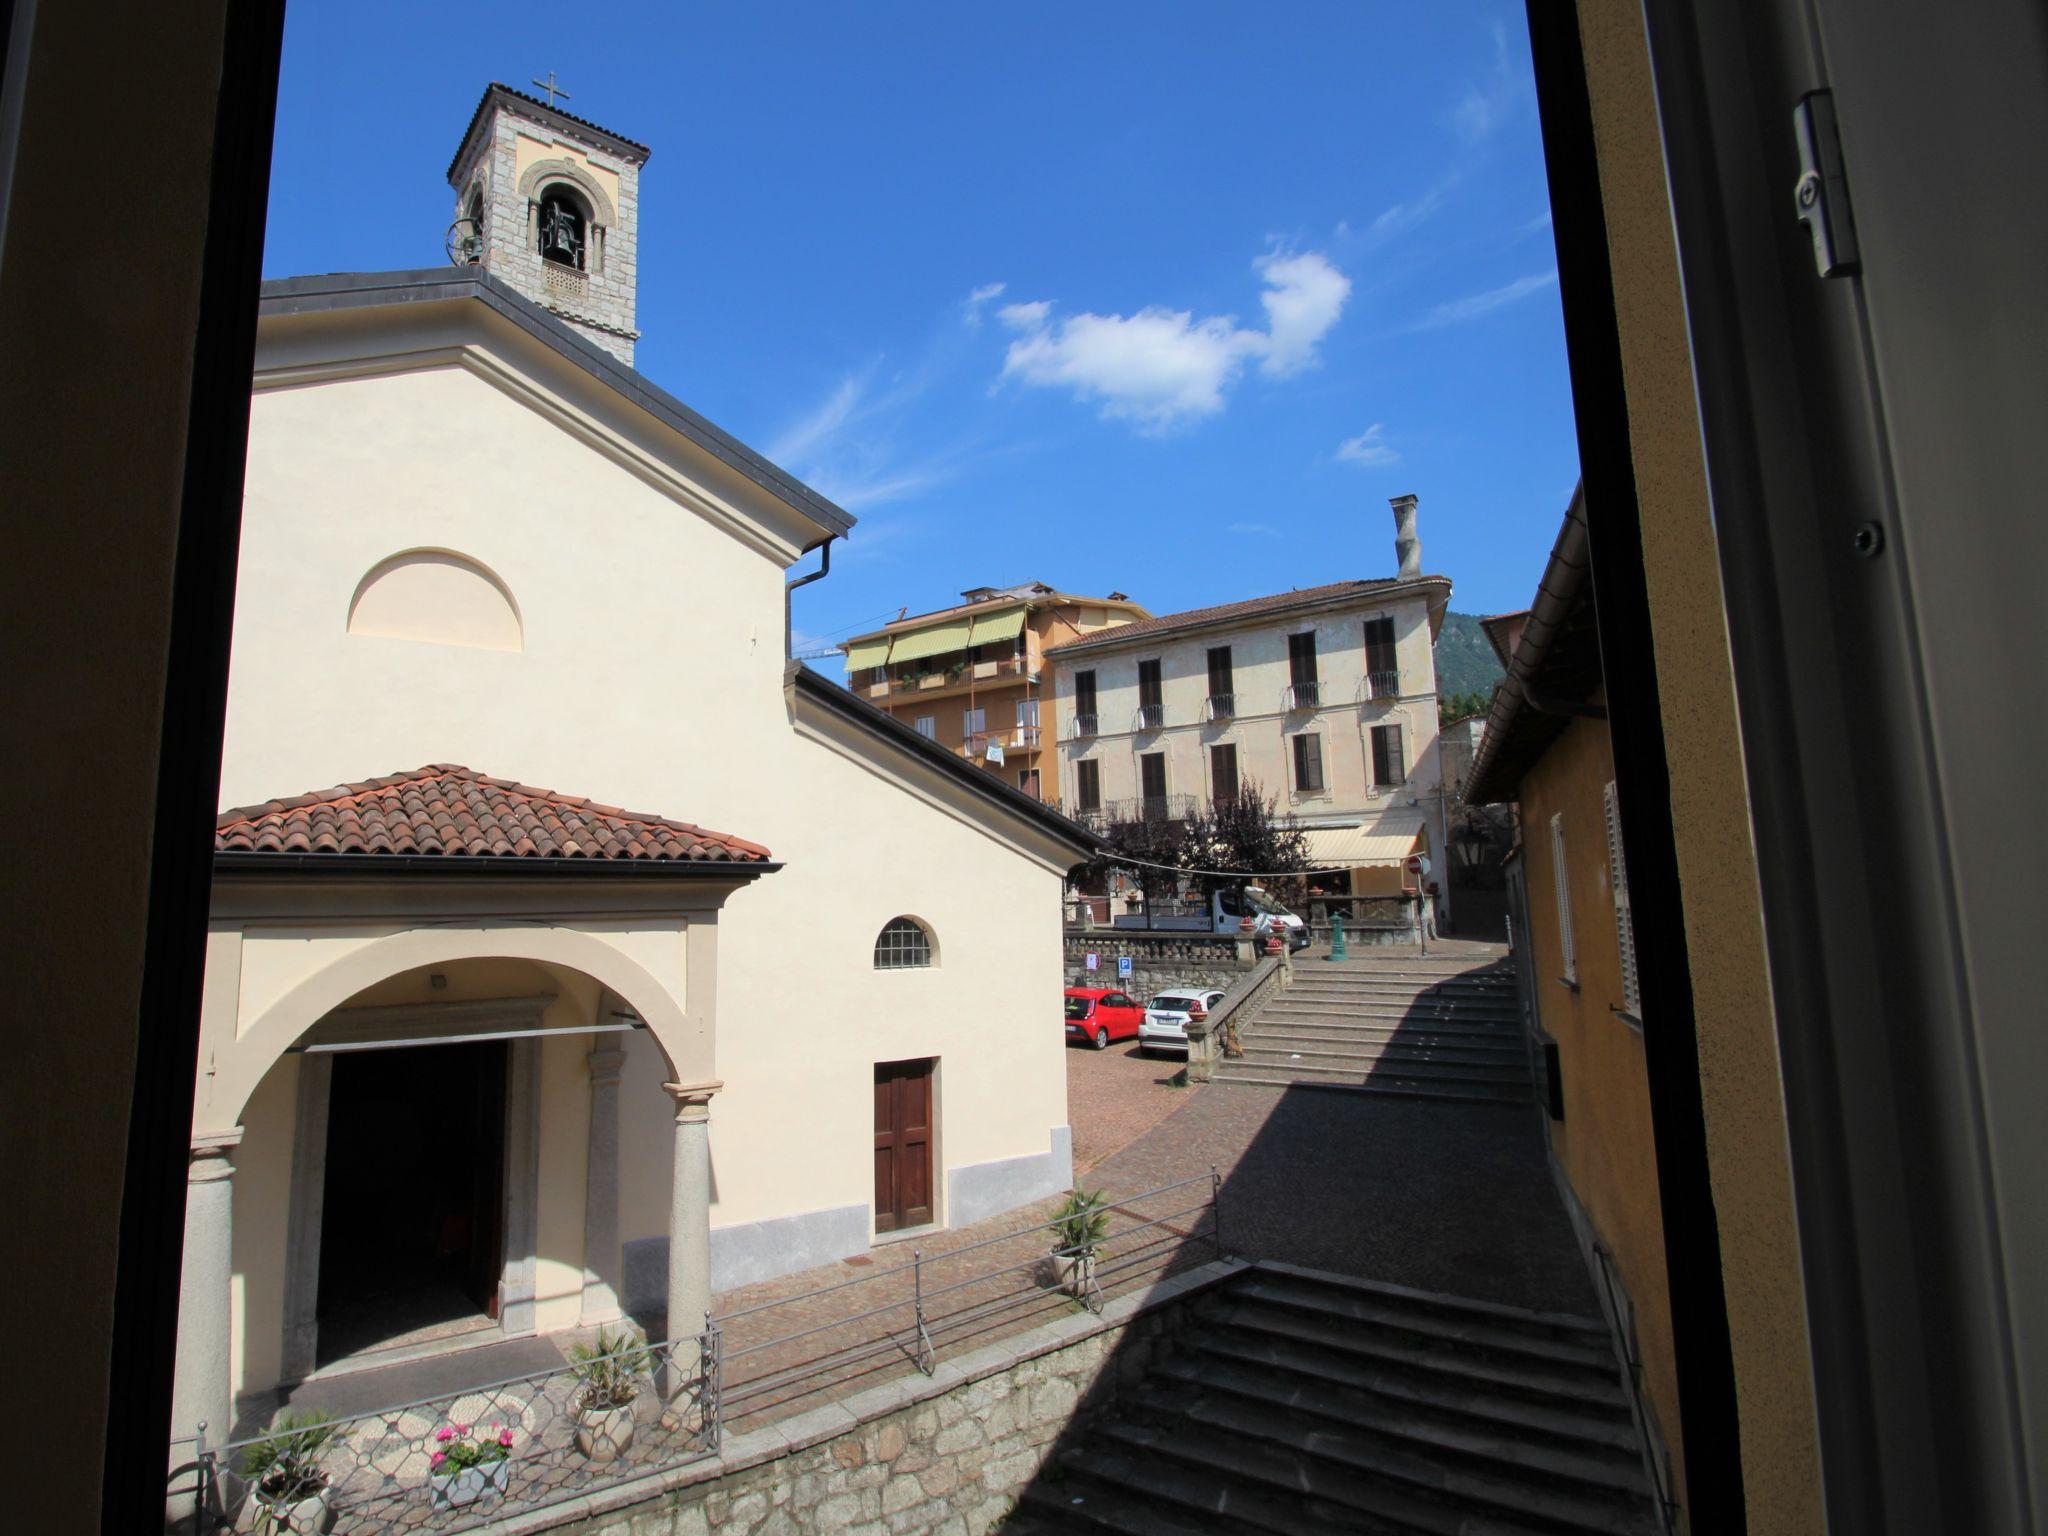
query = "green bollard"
{"x": 1337, "y": 949}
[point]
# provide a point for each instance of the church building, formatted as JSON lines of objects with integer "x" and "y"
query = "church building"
{"x": 486, "y": 1055}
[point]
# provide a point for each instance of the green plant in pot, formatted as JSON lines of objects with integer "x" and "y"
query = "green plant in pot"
{"x": 291, "y": 1492}
{"x": 469, "y": 1462}
{"x": 1078, "y": 1225}
{"x": 608, "y": 1371}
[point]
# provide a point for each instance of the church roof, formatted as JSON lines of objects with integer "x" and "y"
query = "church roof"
{"x": 451, "y": 811}
{"x": 534, "y": 107}
{"x": 337, "y": 291}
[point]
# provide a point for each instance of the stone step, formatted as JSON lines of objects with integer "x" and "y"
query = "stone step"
{"x": 1079, "y": 1502}
{"x": 1498, "y": 1333}
{"x": 1395, "y": 997}
{"x": 1310, "y": 1494}
{"x": 1564, "y": 1325}
{"x": 1330, "y": 1066}
{"x": 1478, "y": 1046}
{"x": 1433, "y": 1398}
{"x": 1603, "y": 1470}
{"x": 1192, "y": 1497}
{"x": 1308, "y": 1002}
{"x": 1327, "y": 1052}
{"x": 1236, "y": 1074}
{"x": 1541, "y": 1382}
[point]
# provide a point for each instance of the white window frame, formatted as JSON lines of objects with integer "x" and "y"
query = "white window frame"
{"x": 1566, "y": 946}
{"x": 1624, "y": 918}
{"x": 927, "y": 726}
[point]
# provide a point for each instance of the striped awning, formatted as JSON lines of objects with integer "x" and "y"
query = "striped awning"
{"x": 1382, "y": 841}
{"x": 1007, "y": 625}
{"x": 936, "y": 641}
{"x": 868, "y": 653}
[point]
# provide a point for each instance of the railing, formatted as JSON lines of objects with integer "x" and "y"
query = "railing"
{"x": 1306, "y": 695}
{"x": 959, "y": 1296}
{"x": 1621, "y": 1319}
{"x": 551, "y": 1435}
{"x": 1149, "y": 717}
{"x": 1144, "y": 808}
{"x": 1383, "y": 685}
{"x": 1219, "y": 706}
{"x": 1024, "y": 736}
{"x": 1079, "y": 726}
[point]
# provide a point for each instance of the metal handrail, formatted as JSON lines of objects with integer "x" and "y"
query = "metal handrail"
{"x": 1639, "y": 1408}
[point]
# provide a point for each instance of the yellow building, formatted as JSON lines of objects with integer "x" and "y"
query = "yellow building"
{"x": 968, "y": 677}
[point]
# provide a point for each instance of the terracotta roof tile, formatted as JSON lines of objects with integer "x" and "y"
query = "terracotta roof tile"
{"x": 450, "y": 810}
{"x": 1251, "y": 607}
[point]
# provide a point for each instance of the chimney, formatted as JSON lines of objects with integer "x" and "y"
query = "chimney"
{"x": 1406, "y": 544}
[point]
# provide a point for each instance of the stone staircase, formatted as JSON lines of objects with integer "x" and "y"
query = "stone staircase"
{"x": 1302, "y": 1401}
{"x": 1416, "y": 1028}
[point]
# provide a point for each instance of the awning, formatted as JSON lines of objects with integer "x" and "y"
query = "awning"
{"x": 1382, "y": 841}
{"x": 936, "y": 641}
{"x": 997, "y": 626}
{"x": 868, "y": 653}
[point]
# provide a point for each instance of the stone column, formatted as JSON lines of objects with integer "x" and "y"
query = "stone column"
{"x": 202, "y": 1388}
{"x": 689, "y": 1220}
{"x": 601, "y": 1189}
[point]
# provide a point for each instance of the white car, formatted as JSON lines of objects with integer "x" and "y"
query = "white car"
{"x": 1166, "y": 1017}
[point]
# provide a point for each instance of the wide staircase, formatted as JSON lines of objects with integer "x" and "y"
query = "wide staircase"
{"x": 1434, "y": 1028}
{"x": 1300, "y": 1402}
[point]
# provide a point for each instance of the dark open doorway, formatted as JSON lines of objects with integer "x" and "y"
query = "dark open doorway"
{"x": 412, "y": 1242}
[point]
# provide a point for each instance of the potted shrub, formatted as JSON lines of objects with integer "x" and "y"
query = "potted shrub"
{"x": 607, "y": 1375}
{"x": 468, "y": 1463}
{"x": 292, "y": 1494}
{"x": 1078, "y": 1225}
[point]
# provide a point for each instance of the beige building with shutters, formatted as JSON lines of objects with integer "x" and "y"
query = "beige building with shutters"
{"x": 1325, "y": 697}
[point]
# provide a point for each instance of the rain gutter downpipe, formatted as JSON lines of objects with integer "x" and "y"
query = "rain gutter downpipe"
{"x": 824, "y": 569}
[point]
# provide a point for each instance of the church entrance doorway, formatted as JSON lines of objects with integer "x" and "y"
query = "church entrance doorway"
{"x": 903, "y": 1145}
{"x": 412, "y": 1228}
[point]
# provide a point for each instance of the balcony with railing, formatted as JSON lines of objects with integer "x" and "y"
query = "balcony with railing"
{"x": 1382, "y": 684}
{"x": 1149, "y": 717}
{"x": 950, "y": 672}
{"x": 1140, "y": 808}
{"x": 1080, "y": 727}
{"x": 1219, "y": 706}
{"x": 1302, "y": 695}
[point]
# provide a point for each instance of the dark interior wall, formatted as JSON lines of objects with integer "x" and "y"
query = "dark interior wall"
{"x": 108, "y": 132}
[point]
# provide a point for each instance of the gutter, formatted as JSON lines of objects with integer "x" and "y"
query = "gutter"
{"x": 1108, "y": 639}
{"x": 483, "y": 866}
{"x": 824, "y": 569}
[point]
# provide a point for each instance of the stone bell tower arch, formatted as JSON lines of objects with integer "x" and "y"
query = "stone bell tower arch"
{"x": 550, "y": 203}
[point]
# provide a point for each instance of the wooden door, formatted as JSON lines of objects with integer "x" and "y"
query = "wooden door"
{"x": 903, "y": 1144}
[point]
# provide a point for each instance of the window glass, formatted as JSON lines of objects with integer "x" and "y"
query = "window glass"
{"x": 928, "y": 727}
{"x": 903, "y": 945}
{"x": 1080, "y": 1007}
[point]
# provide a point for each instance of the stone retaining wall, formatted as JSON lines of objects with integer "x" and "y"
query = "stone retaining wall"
{"x": 1158, "y": 960}
{"x": 946, "y": 1455}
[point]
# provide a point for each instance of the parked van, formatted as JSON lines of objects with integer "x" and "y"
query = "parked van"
{"x": 1224, "y": 914}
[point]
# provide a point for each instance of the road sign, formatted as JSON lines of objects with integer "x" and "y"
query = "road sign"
{"x": 1123, "y": 966}
{"x": 1094, "y": 962}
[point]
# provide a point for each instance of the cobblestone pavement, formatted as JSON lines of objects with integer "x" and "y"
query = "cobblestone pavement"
{"x": 1116, "y": 1096}
{"x": 1448, "y": 1197}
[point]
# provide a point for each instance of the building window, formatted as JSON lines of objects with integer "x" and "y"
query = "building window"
{"x": 1388, "y": 765}
{"x": 1222, "y": 684}
{"x": 1223, "y": 772}
{"x": 1152, "y": 784}
{"x": 1308, "y": 763}
{"x": 1027, "y": 780}
{"x": 928, "y": 727}
{"x": 1382, "y": 667}
{"x": 1301, "y": 670}
{"x": 564, "y": 227}
{"x": 1084, "y": 703}
{"x": 1027, "y": 723}
{"x": 1566, "y": 947}
{"x": 973, "y": 723}
{"x": 1088, "y": 785}
{"x": 905, "y": 944}
{"x": 1151, "y": 704}
{"x": 1624, "y": 919}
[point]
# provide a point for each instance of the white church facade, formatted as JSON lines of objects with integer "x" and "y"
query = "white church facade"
{"x": 485, "y": 1056}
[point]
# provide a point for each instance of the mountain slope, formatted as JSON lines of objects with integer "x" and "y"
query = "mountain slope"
{"x": 1465, "y": 662}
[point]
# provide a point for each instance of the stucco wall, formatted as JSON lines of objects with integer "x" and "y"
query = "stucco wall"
{"x": 651, "y": 677}
{"x": 1604, "y": 1143}
{"x": 1260, "y": 729}
{"x": 1732, "y": 1007}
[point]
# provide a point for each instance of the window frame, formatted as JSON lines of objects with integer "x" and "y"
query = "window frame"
{"x": 1624, "y": 916}
{"x": 1087, "y": 785}
{"x": 926, "y": 726}
{"x": 1216, "y": 794}
{"x": 914, "y": 936}
{"x": 1389, "y": 756}
{"x": 1300, "y": 741}
{"x": 1567, "y": 941}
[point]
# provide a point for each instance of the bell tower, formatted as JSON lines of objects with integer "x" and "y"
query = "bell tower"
{"x": 551, "y": 204}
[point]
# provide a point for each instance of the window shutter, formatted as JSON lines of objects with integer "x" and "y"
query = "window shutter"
{"x": 1564, "y": 899}
{"x": 1624, "y": 919}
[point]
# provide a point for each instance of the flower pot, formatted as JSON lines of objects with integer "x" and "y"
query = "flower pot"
{"x": 602, "y": 1434}
{"x": 453, "y": 1490}
{"x": 310, "y": 1514}
{"x": 1074, "y": 1272}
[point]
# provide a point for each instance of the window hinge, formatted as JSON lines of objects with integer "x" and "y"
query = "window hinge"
{"x": 1822, "y": 193}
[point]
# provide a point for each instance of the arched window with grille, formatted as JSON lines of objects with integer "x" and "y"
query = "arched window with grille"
{"x": 905, "y": 944}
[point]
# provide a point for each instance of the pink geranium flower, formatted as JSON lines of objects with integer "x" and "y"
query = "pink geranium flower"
{"x": 437, "y": 1458}
{"x": 444, "y": 1435}
{"x": 505, "y": 1438}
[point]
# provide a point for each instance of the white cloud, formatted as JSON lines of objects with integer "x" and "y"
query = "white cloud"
{"x": 979, "y": 299}
{"x": 1402, "y": 217}
{"x": 1162, "y": 367}
{"x": 1369, "y": 448}
{"x": 805, "y": 436}
{"x": 1458, "y": 311}
{"x": 1484, "y": 105}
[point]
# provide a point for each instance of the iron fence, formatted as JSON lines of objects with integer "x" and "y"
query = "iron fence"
{"x": 460, "y": 1461}
{"x": 453, "y": 1463}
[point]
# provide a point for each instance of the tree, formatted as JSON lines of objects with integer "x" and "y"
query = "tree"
{"x": 1246, "y": 832}
{"x": 1457, "y": 706}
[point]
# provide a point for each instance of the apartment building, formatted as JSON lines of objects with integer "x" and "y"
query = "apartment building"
{"x": 1324, "y": 696}
{"x": 970, "y": 677}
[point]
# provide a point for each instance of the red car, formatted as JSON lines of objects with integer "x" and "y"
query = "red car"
{"x": 1099, "y": 1015}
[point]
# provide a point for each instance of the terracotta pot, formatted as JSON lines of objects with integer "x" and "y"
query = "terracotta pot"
{"x": 602, "y": 1434}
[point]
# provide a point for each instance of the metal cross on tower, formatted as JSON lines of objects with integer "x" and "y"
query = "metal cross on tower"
{"x": 551, "y": 88}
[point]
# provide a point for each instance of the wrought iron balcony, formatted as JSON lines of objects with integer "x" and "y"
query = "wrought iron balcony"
{"x": 1079, "y": 726}
{"x": 1307, "y": 695}
{"x": 1143, "y": 808}
{"x": 1150, "y": 717}
{"x": 1383, "y": 685}
{"x": 1219, "y": 706}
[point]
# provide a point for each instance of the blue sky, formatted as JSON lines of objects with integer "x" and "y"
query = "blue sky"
{"x": 1165, "y": 298}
